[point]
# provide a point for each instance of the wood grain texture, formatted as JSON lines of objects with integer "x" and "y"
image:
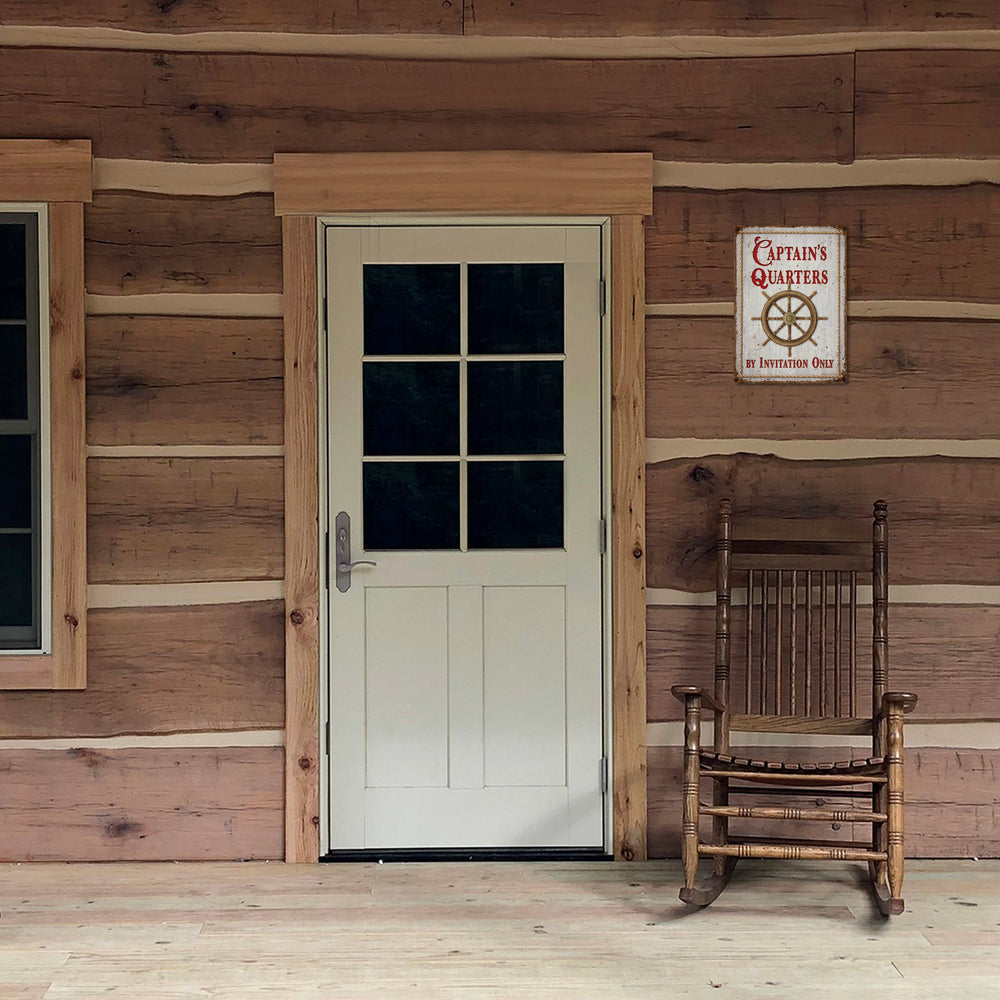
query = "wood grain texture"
{"x": 906, "y": 379}
{"x": 946, "y": 654}
{"x": 161, "y": 380}
{"x": 45, "y": 170}
{"x": 940, "y": 511}
{"x": 951, "y": 809}
{"x": 895, "y": 239}
{"x": 165, "y": 670}
{"x": 177, "y": 520}
{"x": 628, "y": 538}
{"x": 246, "y": 107}
{"x": 719, "y": 17}
{"x": 146, "y": 243}
{"x": 141, "y": 805}
{"x": 505, "y": 182}
{"x": 322, "y": 16}
{"x": 927, "y": 103}
{"x": 301, "y": 520}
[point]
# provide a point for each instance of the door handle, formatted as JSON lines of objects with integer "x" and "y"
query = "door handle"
{"x": 343, "y": 563}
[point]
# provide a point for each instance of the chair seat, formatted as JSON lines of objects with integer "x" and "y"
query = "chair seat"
{"x": 728, "y": 762}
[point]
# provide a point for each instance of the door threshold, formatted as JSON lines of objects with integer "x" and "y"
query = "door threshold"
{"x": 520, "y": 854}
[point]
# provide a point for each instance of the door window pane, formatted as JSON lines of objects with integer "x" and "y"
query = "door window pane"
{"x": 15, "y": 481}
{"x": 516, "y": 308}
{"x": 16, "y": 586}
{"x": 411, "y": 407}
{"x": 515, "y": 407}
{"x": 411, "y": 505}
{"x": 13, "y": 373}
{"x": 515, "y": 505}
{"x": 13, "y": 304}
{"x": 412, "y": 308}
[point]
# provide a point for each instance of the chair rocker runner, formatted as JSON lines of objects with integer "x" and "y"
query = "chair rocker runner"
{"x": 797, "y": 670}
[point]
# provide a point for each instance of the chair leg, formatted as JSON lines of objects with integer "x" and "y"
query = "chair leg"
{"x": 894, "y": 771}
{"x": 720, "y": 824}
{"x": 692, "y": 782}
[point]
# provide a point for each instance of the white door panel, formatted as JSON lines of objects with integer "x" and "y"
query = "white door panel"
{"x": 465, "y": 675}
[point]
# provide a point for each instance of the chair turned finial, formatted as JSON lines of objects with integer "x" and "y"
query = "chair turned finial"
{"x": 881, "y": 510}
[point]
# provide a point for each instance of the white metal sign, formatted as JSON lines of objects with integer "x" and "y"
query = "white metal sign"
{"x": 790, "y": 304}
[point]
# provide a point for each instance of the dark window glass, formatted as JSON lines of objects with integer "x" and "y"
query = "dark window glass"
{"x": 411, "y": 505}
{"x": 515, "y": 505}
{"x": 412, "y": 308}
{"x": 411, "y": 407}
{"x": 12, "y": 272}
{"x": 15, "y": 481}
{"x": 16, "y": 586}
{"x": 516, "y": 308}
{"x": 515, "y": 407}
{"x": 13, "y": 373}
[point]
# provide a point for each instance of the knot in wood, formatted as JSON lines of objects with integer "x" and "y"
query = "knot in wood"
{"x": 314, "y": 820}
{"x": 628, "y": 854}
{"x": 637, "y": 552}
{"x": 77, "y": 373}
{"x": 297, "y": 617}
{"x": 71, "y": 620}
{"x": 305, "y": 763}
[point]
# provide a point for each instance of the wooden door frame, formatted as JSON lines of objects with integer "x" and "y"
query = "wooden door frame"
{"x": 619, "y": 185}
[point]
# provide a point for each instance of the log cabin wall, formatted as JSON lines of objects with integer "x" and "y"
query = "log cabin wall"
{"x": 877, "y": 121}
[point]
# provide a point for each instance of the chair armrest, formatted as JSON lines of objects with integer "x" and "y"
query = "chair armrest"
{"x": 683, "y": 691}
{"x": 907, "y": 701}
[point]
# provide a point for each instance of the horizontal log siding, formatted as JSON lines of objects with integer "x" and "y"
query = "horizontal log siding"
{"x": 927, "y": 103}
{"x": 720, "y": 17}
{"x": 141, "y": 805}
{"x": 246, "y": 107}
{"x": 951, "y": 804}
{"x": 325, "y": 16}
{"x": 162, "y": 380}
{"x": 940, "y": 510}
{"x": 142, "y": 243}
{"x": 907, "y": 379}
{"x": 214, "y": 668}
{"x": 948, "y": 654}
{"x": 902, "y": 243}
{"x": 180, "y": 520}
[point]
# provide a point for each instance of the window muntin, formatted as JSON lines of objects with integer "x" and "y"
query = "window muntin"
{"x": 25, "y": 572}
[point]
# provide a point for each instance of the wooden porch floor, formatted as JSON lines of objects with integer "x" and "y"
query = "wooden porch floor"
{"x": 255, "y": 930}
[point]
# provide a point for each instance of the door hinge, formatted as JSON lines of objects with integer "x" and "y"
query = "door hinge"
{"x": 327, "y": 736}
{"x": 603, "y": 296}
{"x": 603, "y": 540}
{"x": 604, "y": 775}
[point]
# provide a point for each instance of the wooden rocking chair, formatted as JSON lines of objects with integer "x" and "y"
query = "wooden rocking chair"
{"x": 797, "y": 671}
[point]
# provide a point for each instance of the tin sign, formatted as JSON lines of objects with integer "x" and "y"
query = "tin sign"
{"x": 790, "y": 304}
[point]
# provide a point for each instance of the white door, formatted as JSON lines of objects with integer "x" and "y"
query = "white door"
{"x": 465, "y": 465}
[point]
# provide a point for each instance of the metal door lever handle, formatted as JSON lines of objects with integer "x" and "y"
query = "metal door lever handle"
{"x": 347, "y": 567}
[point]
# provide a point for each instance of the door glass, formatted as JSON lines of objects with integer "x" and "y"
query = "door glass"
{"x": 515, "y": 308}
{"x": 14, "y": 373}
{"x": 13, "y": 284}
{"x": 440, "y": 383}
{"x": 411, "y": 308}
{"x": 515, "y": 505}
{"x": 515, "y": 407}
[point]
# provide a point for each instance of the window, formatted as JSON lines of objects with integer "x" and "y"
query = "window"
{"x": 25, "y": 589}
{"x": 43, "y": 572}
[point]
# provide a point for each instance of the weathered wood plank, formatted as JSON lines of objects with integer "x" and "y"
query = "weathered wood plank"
{"x": 951, "y": 806}
{"x": 176, "y": 520}
{"x": 160, "y": 380}
{"x": 942, "y": 103}
{"x": 147, "y": 243}
{"x": 940, "y": 511}
{"x": 246, "y": 107}
{"x": 324, "y": 16}
{"x": 902, "y": 243}
{"x": 719, "y": 17}
{"x": 907, "y": 379}
{"x": 141, "y": 805}
{"x": 165, "y": 670}
{"x": 45, "y": 170}
{"x": 923, "y": 638}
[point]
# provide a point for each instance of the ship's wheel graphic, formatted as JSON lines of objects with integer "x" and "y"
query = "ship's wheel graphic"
{"x": 789, "y": 318}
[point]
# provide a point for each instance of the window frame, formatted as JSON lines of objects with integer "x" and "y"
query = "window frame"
{"x": 54, "y": 178}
